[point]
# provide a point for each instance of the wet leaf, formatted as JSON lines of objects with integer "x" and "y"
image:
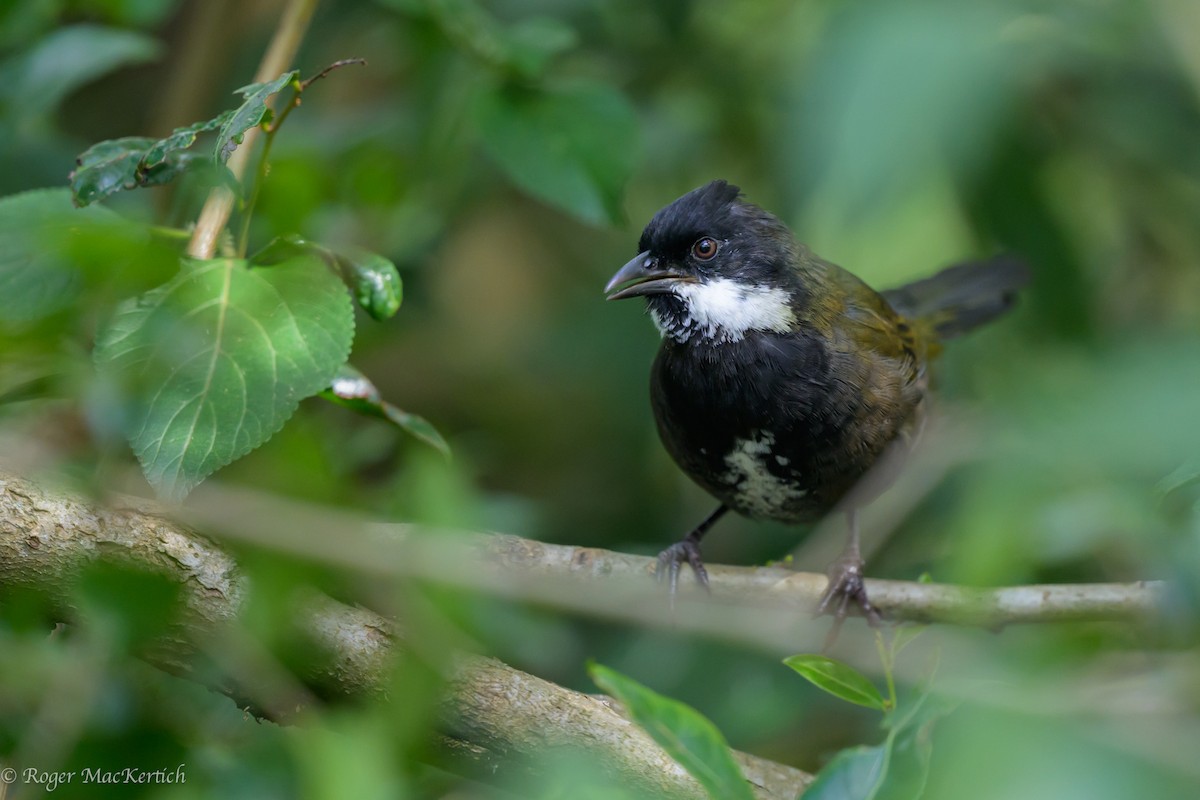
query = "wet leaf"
{"x": 249, "y": 114}
{"x": 374, "y": 279}
{"x": 352, "y": 389}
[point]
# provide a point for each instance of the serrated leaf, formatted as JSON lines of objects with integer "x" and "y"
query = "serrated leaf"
{"x": 374, "y": 280}
{"x": 66, "y": 59}
{"x": 352, "y": 389}
{"x": 38, "y": 231}
{"x": 840, "y": 680}
{"x": 250, "y": 113}
{"x": 573, "y": 147}
{"x": 216, "y": 360}
{"x": 685, "y": 734}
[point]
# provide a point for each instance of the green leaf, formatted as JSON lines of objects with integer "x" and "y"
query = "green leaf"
{"x": 352, "y": 389}
{"x": 116, "y": 165}
{"x": 111, "y": 166}
{"x": 106, "y": 168}
{"x": 574, "y": 147}
{"x": 286, "y": 247}
{"x": 249, "y": 114}
{"x": 36, "y": 82}
{"x": 533, "y": 42}
{"x": 39, "y": 230}
{"x": 214, "y": 362}
{"x": 183, "y": 138}
{"x": 840, "y": 680}
{"x": 374, "y": 279}
{"x": 1186, "y": 474}
{"x": 686, "y": 735}
{"x": 524, "y": 48}
{"x": 898, "y": 769}
{"x": 854, "y": 774}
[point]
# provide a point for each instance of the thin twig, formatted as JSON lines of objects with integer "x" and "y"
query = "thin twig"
{"x": 344, "y": 62}
{"x": 218, "y": 207}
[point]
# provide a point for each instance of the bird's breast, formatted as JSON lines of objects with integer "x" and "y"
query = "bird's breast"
{"x": 767, "y": 425}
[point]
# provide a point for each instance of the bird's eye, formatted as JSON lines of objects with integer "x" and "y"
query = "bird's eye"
{"x": 704, "y": 249}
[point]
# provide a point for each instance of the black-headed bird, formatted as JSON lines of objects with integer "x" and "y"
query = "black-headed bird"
{"x": 782, "y": 379}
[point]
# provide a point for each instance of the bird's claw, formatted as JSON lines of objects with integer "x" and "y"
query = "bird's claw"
{"x": 845, "y": 586}
{"x": 670, "y": 560}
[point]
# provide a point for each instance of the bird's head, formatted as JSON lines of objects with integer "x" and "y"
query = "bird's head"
{"x": 713, "y": 267}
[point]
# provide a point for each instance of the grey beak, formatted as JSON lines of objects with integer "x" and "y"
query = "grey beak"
{"x": 643, "y": 276}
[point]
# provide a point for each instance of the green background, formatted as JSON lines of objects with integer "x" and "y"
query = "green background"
{"x": 506, "y": 159}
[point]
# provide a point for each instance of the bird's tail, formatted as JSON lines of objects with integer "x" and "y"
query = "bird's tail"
{"x": 962, "y": 297}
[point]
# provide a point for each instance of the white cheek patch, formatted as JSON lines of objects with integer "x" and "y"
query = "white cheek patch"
{"x": 760, "y": 493}
{"x": 724, "y": 310}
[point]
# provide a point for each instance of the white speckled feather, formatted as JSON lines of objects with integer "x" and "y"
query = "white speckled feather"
{"x": 760, "y": 492}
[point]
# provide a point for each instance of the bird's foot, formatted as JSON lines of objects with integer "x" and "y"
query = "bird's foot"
{"x": 685, "y": 551}
{"x": 845, "y": 587}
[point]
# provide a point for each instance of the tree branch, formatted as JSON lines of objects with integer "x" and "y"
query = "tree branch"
{"x": 45, "y": 537}
{"x": 596, "y": 581}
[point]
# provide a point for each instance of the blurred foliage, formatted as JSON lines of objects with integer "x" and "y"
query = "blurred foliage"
{"x": 685, "y": 735}
{"x": 504, "y": 158}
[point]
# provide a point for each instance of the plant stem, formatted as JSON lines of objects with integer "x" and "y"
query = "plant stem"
{"x": 887, "y": 656}
{"x": 216, "y": 211}
{"x": 170, "y": 233}
{"x": 260, "y": 173}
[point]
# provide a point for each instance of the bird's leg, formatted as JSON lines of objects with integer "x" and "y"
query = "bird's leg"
{"x": 846, "y": 584}
{"x": 687, "y": 550}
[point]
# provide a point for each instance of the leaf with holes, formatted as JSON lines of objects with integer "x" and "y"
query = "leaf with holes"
{"x": 131, "y": 162}
{"x": 214, "y": 362}
{"x": 686, "y": 735}
{"x": 249, "y": 114}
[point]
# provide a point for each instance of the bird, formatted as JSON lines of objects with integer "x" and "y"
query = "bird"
{"x": 783, "y": 383}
